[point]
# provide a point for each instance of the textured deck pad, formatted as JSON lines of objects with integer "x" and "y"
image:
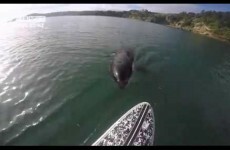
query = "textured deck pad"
{"x": 135, "y": 128}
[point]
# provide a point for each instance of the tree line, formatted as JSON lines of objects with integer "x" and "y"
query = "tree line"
{"x": 217, "y": 22}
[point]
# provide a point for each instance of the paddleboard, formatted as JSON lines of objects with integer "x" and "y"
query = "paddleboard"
{"x": 135, "y": 128}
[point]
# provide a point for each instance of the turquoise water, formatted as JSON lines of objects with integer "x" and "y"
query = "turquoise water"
{"x": 55, "y": 88}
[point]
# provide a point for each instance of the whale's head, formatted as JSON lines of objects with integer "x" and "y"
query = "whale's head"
{"x": 120, "y": 78}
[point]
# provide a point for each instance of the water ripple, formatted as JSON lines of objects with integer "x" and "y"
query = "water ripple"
{"x": 24, "y": 129}
{"x": 16, "y": 117}
{"x": 8, "y": 100}
{"x": 25, "y": 96}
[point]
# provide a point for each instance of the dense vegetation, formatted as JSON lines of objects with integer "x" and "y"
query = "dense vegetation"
{"x": 211, "y": 23}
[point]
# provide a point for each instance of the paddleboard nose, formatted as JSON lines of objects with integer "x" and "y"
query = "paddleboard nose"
{"x": 135, "y": 128}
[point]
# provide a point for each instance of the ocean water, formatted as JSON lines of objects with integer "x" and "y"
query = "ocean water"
{"x": 55, "y": 88}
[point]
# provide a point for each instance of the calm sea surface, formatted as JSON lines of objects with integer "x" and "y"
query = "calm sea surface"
{"x": 55, "y": 88}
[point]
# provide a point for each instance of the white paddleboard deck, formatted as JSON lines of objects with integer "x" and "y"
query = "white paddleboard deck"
{"x": 135, "y": 128}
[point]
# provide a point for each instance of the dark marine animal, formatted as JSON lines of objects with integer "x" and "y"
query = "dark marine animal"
{"x": 121, "y": 68}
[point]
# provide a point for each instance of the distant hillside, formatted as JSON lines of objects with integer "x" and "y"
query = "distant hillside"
{"x": 210, "y": 23}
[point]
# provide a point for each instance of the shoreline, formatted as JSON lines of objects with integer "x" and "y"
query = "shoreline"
{"x": 207, "y": 34}
{"x": 200, "y": 30}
